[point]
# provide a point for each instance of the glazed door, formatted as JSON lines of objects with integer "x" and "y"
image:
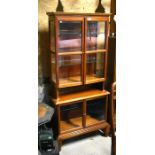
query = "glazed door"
{"x": 70, "y": 34}
{"x": 96, "y": 39}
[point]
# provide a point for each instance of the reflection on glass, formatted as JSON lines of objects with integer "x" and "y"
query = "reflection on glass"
{"x": 96, "y": 111}
{"x": 69, "y": 36}
{"x": 53, "y": 68}
{"x": 96, "y": 35}
{"x": 71, "y": 116}
{"x": 70, "y": 69}
{"x": 95, "y": 66}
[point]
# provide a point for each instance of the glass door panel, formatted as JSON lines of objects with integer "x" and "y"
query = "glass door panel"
{"x": 96, "y": 111}
{"x": 70, "y": 36}
{"x": 70, "y": 69}
{"x": 71, "y": 117}
{"x": 96, "y": 35}
{"x": 95, "y": 67}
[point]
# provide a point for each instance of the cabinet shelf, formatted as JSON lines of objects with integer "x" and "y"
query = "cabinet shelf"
{"x": 71, "y": 124}
{"x": 96, "y": 51}
{"x": 91, "y": 120}
{"x": 70, "y": 53}
{"x": 76, "y": 123}
{"x": 71, "y": 81}
{"x": 73, "y": 97}
{"x": 92, "y": 79}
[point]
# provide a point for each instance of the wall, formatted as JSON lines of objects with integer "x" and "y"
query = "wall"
{"x": 49, "y": 6}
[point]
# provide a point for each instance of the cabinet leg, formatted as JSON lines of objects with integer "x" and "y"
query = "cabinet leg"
{"x": 59, "y": 144}
{"x": 107, "y": 130}
{"x": 113, "y": 145}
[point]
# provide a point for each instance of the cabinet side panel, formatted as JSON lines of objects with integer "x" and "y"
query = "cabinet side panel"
{"x": 52, "y": 35}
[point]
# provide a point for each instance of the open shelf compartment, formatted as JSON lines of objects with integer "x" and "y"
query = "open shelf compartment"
{"x": 71, "y": 117}
{"x": 74, "y": 115}
{"x": 96, "y": 111}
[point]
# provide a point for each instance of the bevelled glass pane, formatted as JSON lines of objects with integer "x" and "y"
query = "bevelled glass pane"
{"x": 96, "y": 111}
{"x": 71, "y": 116}
{"x": 95, "y": 66}
{"x": 70, "y": 34}
{"x": 96, "y": 35}
{"x": 70, "y": 69}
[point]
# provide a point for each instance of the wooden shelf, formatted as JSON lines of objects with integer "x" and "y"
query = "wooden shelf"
{"x": 83, "y": 131}
{"x": 80, "y": 52}
{"x": 76, "y": 123}
{"x": 96, "y": 51}
{"x": 70, "y": 81}
{"x": 70, "y": 124}
{"x": 92, "y": 121}
{"x": 92, "y": 79}
{"x": 70, "y": 53}
{"x": 87, "y": 94}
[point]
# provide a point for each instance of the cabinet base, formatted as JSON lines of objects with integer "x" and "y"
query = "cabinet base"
{"x": 104, "y": 126}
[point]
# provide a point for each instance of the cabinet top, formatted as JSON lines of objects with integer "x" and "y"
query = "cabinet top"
{"x": 79, "y": 14}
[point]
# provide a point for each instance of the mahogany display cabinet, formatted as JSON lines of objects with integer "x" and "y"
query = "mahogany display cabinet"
{"x": 79, "y": 49}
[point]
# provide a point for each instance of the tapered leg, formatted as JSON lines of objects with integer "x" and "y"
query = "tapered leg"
{"x": 59, "y": 144}
{"x": 113, "y": 145}
{"x": 107, "y": 130}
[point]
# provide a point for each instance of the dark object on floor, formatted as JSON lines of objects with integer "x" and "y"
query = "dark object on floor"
{"x": 54, "y": 151}
{"x": 46, "y": 139}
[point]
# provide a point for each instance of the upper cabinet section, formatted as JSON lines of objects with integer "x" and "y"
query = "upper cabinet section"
{"x": 79, "y": 46}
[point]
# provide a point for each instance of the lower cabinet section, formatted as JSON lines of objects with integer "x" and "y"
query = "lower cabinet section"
{"x": 86, "y": 115}
{"x": 78, "y": 115}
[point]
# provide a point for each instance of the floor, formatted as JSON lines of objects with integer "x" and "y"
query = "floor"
{"x": 95, "y": 144}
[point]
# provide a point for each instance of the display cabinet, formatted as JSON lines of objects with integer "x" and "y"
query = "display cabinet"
{"x": 79, "y": 49}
